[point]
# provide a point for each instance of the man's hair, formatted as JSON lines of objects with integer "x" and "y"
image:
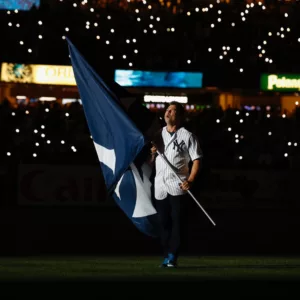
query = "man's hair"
{"x": 180, "y": 111}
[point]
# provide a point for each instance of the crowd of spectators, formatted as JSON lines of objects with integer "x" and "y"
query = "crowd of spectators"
{"x": 252, "y": 37}
{"x": 231, "y": 43}
{"x": 49, "y": 133}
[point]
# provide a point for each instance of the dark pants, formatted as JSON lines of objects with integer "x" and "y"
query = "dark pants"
{"x": 170, "y": 216}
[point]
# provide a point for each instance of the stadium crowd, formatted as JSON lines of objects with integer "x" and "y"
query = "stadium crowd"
{"x": 229, "y": 42}
{"x": 257, "y": 137}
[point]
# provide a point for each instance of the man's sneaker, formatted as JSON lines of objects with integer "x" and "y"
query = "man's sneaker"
{"x": 171, "y": 261}
{"x": 165, "y": 263}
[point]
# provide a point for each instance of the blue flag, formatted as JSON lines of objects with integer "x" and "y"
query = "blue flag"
{"x": 118, "y": 143}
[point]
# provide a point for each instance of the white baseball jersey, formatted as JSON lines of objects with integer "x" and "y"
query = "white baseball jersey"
{"x": 179, "y": 149}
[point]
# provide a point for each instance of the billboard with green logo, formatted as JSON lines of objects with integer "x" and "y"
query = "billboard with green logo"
{"x": 280, "y": 82}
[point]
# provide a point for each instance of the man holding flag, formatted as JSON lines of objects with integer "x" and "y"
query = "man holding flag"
{"x": 178, "y": 147}
{"x": 122, "y": 151}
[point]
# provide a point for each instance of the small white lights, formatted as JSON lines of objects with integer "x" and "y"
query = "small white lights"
{"x": 17, "y": 130}
{"x": 286, "y": 155}
{"x": 8, "y": 154}
{"x": 229, "y": 129}
{"x": 73, "y": 148}
{"x": 240, "y": 157}
{"x": 62, "y": 142}
{"x": 270, "y": 133}
{"x": 218, "y": 121}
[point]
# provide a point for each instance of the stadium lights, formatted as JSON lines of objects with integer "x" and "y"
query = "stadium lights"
{"x": 47, "y": 98}
{"x": 165, "y": 99}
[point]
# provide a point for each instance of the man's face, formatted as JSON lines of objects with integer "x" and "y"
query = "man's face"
{"x": 170, "y": 115}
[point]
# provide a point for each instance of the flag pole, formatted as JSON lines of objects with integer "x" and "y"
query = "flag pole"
{"x": 190, "y": 193}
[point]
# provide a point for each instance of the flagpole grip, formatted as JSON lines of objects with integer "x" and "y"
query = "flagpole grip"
{"x": 189, "y": 192}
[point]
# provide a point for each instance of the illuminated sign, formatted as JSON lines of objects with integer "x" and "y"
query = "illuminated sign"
{"x": 165, "y": 99}
{"x": 19, "y": 4}
{"x": 38, "y": 74}
{"x": 135, "y": 78}
{"x": 280, "y": 82}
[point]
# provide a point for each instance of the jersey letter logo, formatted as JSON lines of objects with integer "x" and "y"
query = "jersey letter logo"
{"x": 179, "y": 146}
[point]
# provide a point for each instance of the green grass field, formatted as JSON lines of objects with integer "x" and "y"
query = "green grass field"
{"x": 208, "y": 277}
{"x": 147, "y": 268}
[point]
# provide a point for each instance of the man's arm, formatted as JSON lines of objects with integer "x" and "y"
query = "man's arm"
{"x": 194, "y": 171}
{"x": 186, "y": 185}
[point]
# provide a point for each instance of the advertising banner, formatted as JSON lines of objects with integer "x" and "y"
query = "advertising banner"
{"x": 280, "y": 82}
{"x": 37, "y": 74}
